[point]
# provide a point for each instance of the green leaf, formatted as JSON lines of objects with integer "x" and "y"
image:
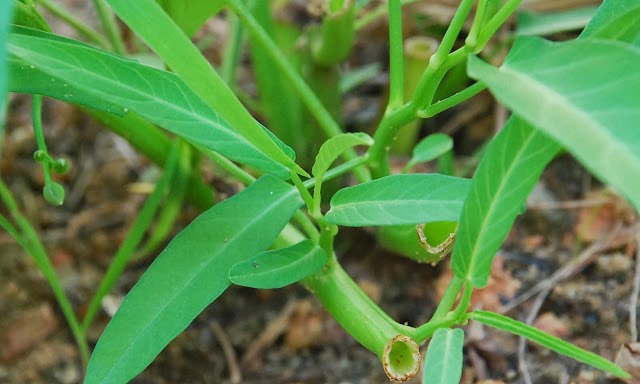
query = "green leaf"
{"x": 152, "y": 24}
{"x": 616, "y": 20}
{"x": 505, "y": 176}
{"x": 443, "y": 362}
{"x": 563, "y": 90}
{"x": 62, "y": 68}
{"x": 551, "y": 342}
{"x": 5, "y": 19}
{"x": 328, "y": 153}
{"x": 334, "y": 147}
{"x": 541, "y": 24}
{"x": 430, "y": 148}
{"x": 190, "y": 15}
{"x": 53, "y": 193}
{"x": 280, "y": 267}
{"x": 188, "y": 275}
{"x": 26, "y": 14}
{"x": 400, "y": 199}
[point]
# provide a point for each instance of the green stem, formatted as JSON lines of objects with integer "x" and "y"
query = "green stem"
{"x": 309, "y": 200}
{"x": 449, "y": 298}
{"x": 339, "y": 170}
{"x": 375, "y": 14}
{"x": 36, "y": 110}
{"x": 30, "y": 242}
{"x": 452, "y": 33}
{"x": 452, "y": 101}
{"x": 352, "y": 308}
{"x": 232, "y": 51}
{"x": 477, "y": 24}
{"x": 396, "y": 56}
{"x": 307, "y": 225}
{"x": 110, "y": 26}
{"x": 433, "y": 75}
{"x": 332, "y": 41}
{"x": 425, "y": 331}
{"x": 389, "y": 126}
{"x": 495, "y": 23}
{"x": 82, "y": 28}
{"x": 319, "y": 112}
{"x": 464, "y": 302}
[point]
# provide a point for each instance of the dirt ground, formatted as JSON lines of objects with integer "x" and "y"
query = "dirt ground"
{"x": 568, "y": 267}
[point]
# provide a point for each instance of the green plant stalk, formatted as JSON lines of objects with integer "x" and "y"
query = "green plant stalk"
{"x": 465, "y": 301}
{"x": 387, "y": 129}
{"x": 450, "y": 37}
{"x": 39, "y": 134}
{"x": 156, "y": 145}
{"x": 325, "y": 83}
{"x": 82, "y": 28}
{"x": 110, "y": 27}
{"x": 396, "y": 65}
{"x": 30, "y": 242}
{"x": 495, "y": 23}
{"x": 438, "y": 66}
{"x": 449, "y": 298}
{"x": 135, "y": 235}
{"x": 332, "y": 42}
{"x": 417, "y": 51}
{"x": 375, "y": 14}
{"x": 232, "y": 51}
{"x": 319, "y": 112}
{"x": 274, "y": 92}
{"x": 452, "y": 100}
{"x": 425, "y": 331}
{"x": 477, "y": 23}
{"x": 433, "y": 75}
{"x": 352, "y": 308}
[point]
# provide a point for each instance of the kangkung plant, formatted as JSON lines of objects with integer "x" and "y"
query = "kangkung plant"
{"x": 581, "y": 96}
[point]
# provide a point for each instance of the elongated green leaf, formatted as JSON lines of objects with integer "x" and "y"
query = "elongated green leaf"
{"x": 400, "y": 199}
{"x": 280, "y": 267}
{"x": 566, "y": 93}
{"x": 188, "y": 275}
{"x": 430, "y": 148}
{"x": 151, "y": 23}
{"x": 67, "y": 70}
{"x": 443, "y": 363}
{"x": 190, "y": 15}
{"x": 505, "y": 177}
{"x": 553, "y": 343}
{"x": 536, "y": 24}
{"x": 6, "y": 9}
{"x": 616, "y": 20}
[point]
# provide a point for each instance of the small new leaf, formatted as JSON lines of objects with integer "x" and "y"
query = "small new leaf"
{"x": 280, "y": 267}
{"x": 53, "y": 193}
{"x": 430, "y": 148}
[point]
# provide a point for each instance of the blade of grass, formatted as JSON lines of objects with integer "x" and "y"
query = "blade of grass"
{"x": 30, "y": 242}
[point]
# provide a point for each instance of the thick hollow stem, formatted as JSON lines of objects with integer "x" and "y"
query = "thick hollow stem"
{"x": 353, "y": 309}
